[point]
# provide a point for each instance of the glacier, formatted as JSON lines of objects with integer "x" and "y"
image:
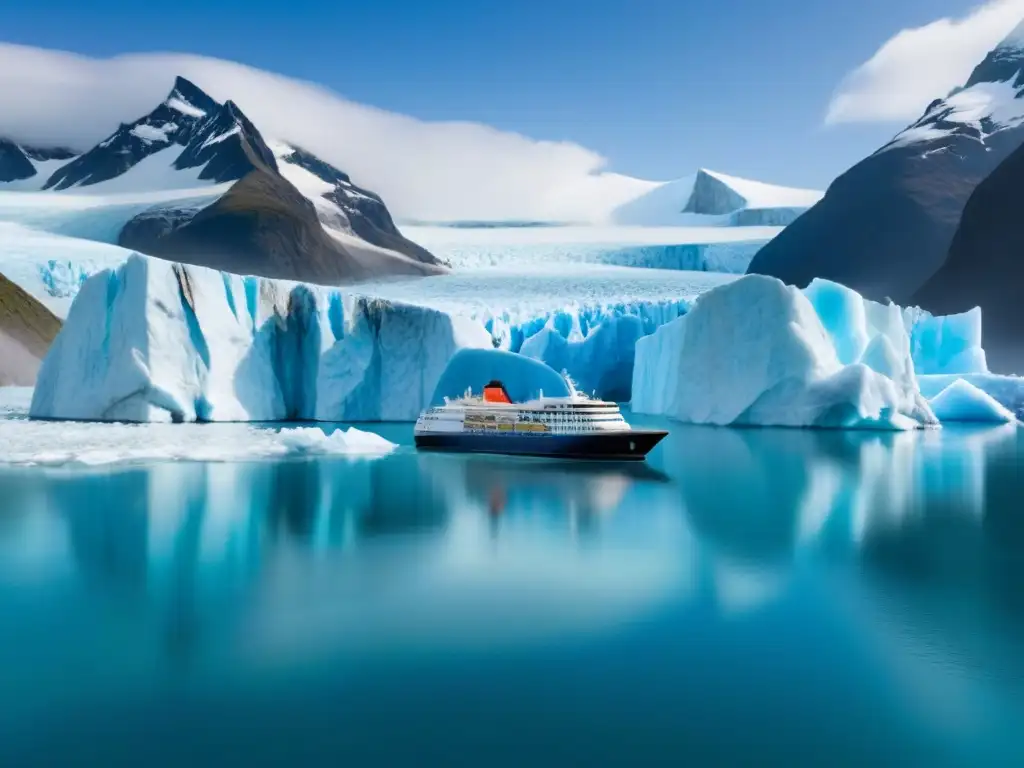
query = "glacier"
{"x": 52, "y": 268}
{"x": 701, "y": 248}
{"x": 156, "y": 341}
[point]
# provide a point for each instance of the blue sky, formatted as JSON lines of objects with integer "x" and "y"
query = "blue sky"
{"x": 659, "y": 88}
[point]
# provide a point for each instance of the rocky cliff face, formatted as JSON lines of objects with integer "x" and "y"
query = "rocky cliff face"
{"x": 27, "y": 329}
{"x": 885, "y": 226}
{"x": 264, "y": 226}
{"x": 985, "y": 266}
{"x": 19, "y": 162}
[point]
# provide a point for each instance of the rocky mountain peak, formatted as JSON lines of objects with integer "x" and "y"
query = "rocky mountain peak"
{"x": 189, "y": 99}
{"x": 1004, "y": 63}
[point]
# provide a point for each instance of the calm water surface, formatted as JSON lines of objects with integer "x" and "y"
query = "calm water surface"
{"x": 746, "y": 597}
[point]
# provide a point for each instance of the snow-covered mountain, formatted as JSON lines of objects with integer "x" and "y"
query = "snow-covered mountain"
{"x": 712, "y": 197}
{"x": 885, "y": 226}
{"x": 26, "y": 167}
{"x": 277, "y": 212}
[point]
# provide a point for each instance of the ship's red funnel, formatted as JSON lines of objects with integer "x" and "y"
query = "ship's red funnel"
{"x": 494, "y": 392}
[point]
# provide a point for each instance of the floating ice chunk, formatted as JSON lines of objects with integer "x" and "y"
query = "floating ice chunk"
{"x": 949, "y": 344}
{"x": 1006, "y": 390}
{"x": 14, "y": 400}
{"x": 962, "y": 401}
{"x": 756, "y": 352}
{"x": 54, "y": 444}
{"x": 524, "y": 379}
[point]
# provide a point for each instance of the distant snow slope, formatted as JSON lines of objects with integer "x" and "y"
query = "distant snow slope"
{"x": 710, "y": 197}
{"x": 51, "y": 268}
{"x": 698, "y": 248}
{"x": 94, "y": 216}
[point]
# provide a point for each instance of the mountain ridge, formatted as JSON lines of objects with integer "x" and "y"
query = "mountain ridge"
{"x": 191, "y": 140}
{"x": 885, "y": 226}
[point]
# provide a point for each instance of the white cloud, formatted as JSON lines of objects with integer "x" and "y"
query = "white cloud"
{"x": 428, "y": 170}
{"x": 921, "y": 64}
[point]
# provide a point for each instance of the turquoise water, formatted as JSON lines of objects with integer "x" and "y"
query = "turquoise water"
{"x": 746, "y": 597}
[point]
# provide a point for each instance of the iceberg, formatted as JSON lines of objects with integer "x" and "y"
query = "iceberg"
{"x": 962, "y": 401}
{"x": 524, "y": 379}
{"x": 948, "y": 344}
{"x": 759, "y": 352}
{"x": 1005, "y": 390}
{"x": 156, "y": 341}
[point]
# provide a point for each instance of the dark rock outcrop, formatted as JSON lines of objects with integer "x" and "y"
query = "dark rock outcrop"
{"x": 264, "y": 226}
{"x": 16, "y": 160}
{"x": 27, "y": 329}
{"x": 985, "y": 266}
{"x": 885, "y": 226}
{"x": 226, "y": 146}
{"x": 14, "y": 163}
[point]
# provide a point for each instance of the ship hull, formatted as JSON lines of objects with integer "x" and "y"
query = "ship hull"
{"x": 633, "y": 445}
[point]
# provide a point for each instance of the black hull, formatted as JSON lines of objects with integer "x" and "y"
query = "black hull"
{"x": 618, "y": 446}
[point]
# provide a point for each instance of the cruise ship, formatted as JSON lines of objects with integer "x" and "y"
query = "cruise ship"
{"x": 574, "y": 427}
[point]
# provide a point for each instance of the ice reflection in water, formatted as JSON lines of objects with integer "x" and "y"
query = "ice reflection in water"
{"x": 895, "y": 558}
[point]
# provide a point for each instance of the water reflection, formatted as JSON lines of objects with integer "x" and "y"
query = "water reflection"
{"x": 202, "y": 574}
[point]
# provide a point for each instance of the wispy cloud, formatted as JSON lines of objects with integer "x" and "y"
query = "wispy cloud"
{"x": 921, "y": 64}
{"x": 428, "y": 170}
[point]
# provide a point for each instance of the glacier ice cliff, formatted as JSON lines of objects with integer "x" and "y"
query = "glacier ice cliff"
{"x": 156, "y": 341}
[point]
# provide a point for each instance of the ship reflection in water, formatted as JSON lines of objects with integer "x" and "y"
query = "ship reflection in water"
{"x": 868, "y": 587}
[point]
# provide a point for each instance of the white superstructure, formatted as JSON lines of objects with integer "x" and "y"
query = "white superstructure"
{"x": 544, "y": 416}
